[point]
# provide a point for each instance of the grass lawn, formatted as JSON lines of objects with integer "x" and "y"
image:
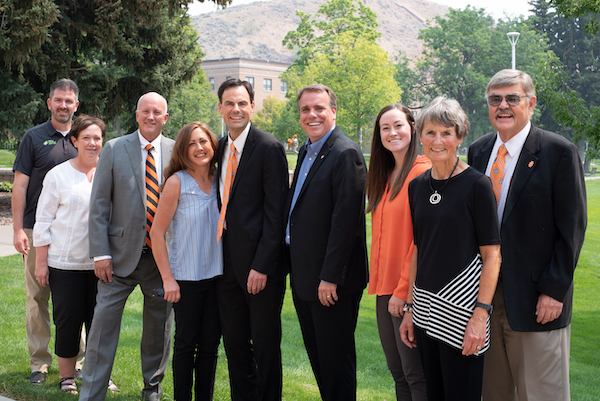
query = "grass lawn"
{"x": 374, "y": 380}
{"x": 7, "y": 158}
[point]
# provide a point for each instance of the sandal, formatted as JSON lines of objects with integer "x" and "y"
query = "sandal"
{"x": 68, "y": 385}
{"x": 112, "y": 386}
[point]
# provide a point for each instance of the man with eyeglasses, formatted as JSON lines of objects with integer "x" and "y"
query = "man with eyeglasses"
{"x": 540, "y": 191}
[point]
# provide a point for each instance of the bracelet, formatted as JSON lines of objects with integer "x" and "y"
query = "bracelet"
{"x": 408, "y": 307}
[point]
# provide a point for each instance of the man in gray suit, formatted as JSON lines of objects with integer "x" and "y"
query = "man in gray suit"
{"x": 119, "y": 219}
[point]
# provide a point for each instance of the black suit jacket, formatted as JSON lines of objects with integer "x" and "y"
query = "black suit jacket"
{"x": 255, "y": 210}
{"x": 542, "y": 227}
{"x": 327, "y": 224}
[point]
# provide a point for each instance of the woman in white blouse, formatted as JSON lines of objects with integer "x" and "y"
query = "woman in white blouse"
{"x": 60, "y": 236}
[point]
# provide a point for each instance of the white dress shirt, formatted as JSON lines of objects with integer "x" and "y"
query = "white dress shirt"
{"x": 514, "y": 147}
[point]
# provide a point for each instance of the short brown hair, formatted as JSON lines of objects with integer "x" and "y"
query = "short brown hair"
{"x": 84, "y": 121}
{"x": 318, "y": 88}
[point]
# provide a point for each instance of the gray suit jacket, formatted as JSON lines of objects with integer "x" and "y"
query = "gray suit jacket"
{"x": 118, "y": 202}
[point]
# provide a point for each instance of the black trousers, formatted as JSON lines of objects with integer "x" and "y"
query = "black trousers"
{"x": 251, "y": 327}
{"x": 197, "y": 337}
{"x": 449, "y": 375}
{"x": 73, "y": 301}
{"x": 328, "y": 334}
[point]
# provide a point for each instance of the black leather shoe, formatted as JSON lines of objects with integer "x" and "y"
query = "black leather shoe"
{"x": 38, "y": 378}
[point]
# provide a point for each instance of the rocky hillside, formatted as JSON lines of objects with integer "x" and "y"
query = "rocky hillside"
{"x": 256, "y": 30}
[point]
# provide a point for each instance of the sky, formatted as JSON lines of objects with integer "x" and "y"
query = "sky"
{"x": 498, "y": 9}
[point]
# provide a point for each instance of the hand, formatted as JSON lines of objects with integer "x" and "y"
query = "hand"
{"x": 256, "y": 282}
{"x": 42, "y": 274}
{"x": 475, "y": 332}
{"x": 21, "y": 242}
{"x": 547, "y": 309}
{"x": 172, "y": 293}
{"x": 103, "y": 269}
{"x": 396, "y": 306}
{"x": 407, "y": 331}
{"x": 327, "y": 293}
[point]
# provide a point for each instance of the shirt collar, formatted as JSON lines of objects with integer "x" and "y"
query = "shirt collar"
{"x": 143, "y": 141}
{"x": 318, "y": 145}
{"x": 514, "y": 144}
{"x": 240, "y": 141}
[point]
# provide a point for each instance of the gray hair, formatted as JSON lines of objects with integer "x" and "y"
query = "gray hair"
{"x": 508, "y": 77}
{"x": 318, "y": 88}
{"x": 446, "y": 112}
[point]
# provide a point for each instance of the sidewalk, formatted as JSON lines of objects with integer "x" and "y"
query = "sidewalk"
{"x": 6, "y": 245}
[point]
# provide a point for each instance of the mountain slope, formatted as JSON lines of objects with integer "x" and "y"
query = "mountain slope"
{"x": 256, "y": 30}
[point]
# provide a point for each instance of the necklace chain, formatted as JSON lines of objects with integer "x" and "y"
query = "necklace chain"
{"x": 436, "y": 196}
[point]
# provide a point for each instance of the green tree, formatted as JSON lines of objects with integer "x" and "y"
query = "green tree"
{"x": 568, "y": 106}
{"x": 462, "y": 51}
{"x": 337, "y": 48}
{"x": 193, "y": 101}
{"x": 362, "y": 78}
{"x": 576, "y": 49}
{"x": 115, "y": 50}
{"x": 580, "y": 8}
{"x": 318, "y": 35}
{"x": 271, "y": 111}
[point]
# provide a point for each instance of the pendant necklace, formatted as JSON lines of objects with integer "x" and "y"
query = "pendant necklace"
{"x": 436, "y": 197}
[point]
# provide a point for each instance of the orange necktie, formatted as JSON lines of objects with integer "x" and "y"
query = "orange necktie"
{"x": 497, "y": 171}
{"x": 229, "y": 176}
{"x": 151, "y": 192}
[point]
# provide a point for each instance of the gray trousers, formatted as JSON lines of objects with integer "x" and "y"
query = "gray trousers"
{"x": 106, "y": 326}
{"x": 404, "y": 363}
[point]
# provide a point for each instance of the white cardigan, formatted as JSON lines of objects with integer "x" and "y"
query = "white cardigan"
{"x": 62, "y": 218}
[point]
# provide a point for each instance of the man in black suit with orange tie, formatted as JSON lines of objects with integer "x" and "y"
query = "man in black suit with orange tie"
{"x": 540, "y": 190}
{"x": 325, "y": 234}
{"x": 253, "y": 183}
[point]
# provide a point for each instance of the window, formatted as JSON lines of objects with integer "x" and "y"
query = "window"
{"x": 251, "y": 81}
{"x": 267, "y": 84}
{"x": 212, "y": 83}
{"x": 284, "y": 87}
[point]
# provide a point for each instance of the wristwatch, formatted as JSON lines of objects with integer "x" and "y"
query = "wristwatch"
{"x": 487, "y": 307}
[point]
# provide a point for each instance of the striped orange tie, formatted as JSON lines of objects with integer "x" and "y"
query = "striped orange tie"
{"x": 151, "y": 192}
{"x": 497, "y": 171}
{"x": 229, "y": 176}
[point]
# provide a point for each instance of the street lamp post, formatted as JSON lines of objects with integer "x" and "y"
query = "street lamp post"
{"x": 513, "y": 37}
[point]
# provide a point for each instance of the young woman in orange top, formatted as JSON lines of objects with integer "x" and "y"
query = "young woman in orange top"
{"x": 394, "y": 163}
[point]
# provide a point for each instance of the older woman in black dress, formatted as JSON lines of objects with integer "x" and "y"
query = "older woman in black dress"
{"x": 456, "y": 261}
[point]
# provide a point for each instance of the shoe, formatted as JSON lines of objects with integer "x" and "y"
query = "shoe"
{"x": 37, "y": 378}
{"x": 112, "y": 386}
{"x": 68, "y": 385}
{"x": 78, "y": 375}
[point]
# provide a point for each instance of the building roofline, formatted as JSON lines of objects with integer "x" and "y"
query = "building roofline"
{"x": 246, "y": 59}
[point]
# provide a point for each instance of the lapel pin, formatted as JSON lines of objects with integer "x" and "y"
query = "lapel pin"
{"x": 322, "y": 156}
{"x": 530, "y": 165}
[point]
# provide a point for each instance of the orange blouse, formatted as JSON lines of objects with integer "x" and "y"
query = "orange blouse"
{"x": 392, "y": 241}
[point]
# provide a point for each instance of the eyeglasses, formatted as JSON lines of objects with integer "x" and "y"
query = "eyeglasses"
{"x": 512, "y": 100}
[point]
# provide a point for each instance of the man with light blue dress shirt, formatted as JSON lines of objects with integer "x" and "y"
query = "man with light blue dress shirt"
{"x": 326, "y": 248}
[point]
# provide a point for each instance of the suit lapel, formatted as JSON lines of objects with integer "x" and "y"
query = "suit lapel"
{"x": 166, "y": 147}
{"x": 525, "y": 167}
{"x": 482, "y": 155}
{"x": 245, "y": 159}
{"x": 220, "y": 151}
{"x": 319, "y": 161}
{"x": 134, "y": 151}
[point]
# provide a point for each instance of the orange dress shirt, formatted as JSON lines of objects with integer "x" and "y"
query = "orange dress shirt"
{"x": 392, "y": 241}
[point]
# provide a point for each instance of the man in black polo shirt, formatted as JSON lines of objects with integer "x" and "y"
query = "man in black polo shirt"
{"x": 41, "y": 148}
